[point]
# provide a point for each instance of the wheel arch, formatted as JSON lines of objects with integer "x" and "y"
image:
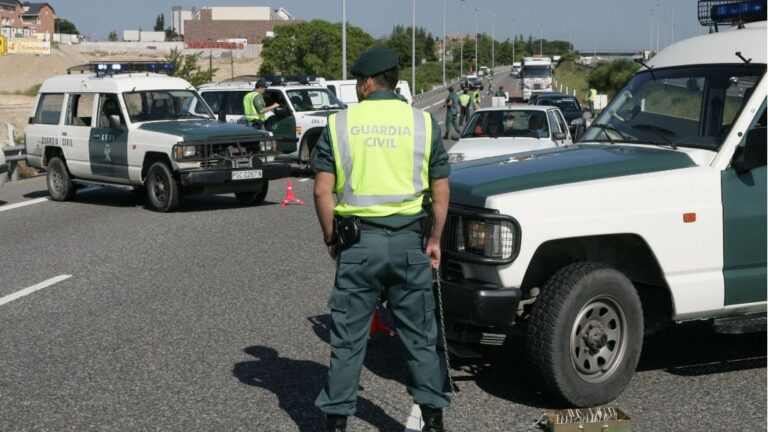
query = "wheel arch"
{"x": 150, "y": 158}
{"x": 50, "y": 152}
{"x": 628, "y": 253}
{"x": 308, "y": 141}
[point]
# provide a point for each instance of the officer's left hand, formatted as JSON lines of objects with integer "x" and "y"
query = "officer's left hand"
{"x": 333, "y": 251}
{"x": 433, "y": 251}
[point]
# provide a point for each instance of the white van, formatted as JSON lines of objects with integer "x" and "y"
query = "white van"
{"x": 345, "y": 90}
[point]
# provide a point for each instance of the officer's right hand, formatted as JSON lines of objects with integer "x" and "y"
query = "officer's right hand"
{"x": 433, "y": 251}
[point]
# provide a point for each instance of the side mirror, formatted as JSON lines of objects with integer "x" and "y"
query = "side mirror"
{"x": 559, "y": 136}
{"x": 753, "y": 154}
{"x": 282, "y": 112}
{"x": 114, "y": 122}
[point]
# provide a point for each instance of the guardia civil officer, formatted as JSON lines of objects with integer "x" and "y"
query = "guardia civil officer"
{"x": 381, "y": 158}
{"x": 255, "y": 107}
{"x": 451, "y": 113}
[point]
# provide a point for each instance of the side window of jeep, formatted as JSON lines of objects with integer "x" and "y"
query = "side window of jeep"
{"x": 213, "y": 99}
{"x": 49, "y": 109}
{"x": 274, "y": 96}
{"x": 234, "y": 104}
{"x": 79, "y": 110}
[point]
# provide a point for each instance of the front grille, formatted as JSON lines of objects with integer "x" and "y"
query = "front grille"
{"x": 226, "y": 154}
{"x": 487, "y": 238}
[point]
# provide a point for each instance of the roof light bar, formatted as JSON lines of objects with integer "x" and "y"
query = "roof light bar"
{"x": 111, "y": 68}
{"x": 714, "y": 12}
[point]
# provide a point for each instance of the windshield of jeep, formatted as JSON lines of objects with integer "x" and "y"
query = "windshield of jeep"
{"x": 164, "y": 105}
{"x": 313, "y": 100}
{"x": 686, "y": 107}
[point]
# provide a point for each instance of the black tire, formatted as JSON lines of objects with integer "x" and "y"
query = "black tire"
{"x": 567, "y": 346}
{"x": 60, "y": 186}
{"x": 254, "y": 197}
{"x": 162, "y": 188}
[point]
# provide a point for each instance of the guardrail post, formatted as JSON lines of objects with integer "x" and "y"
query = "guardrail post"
{"x": 11, "y": 141}
{"x": 13, "y": 167}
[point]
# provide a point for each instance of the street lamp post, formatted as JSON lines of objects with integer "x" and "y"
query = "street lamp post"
{"x": 541, "y": 40}
{"x": 343, "y": 39}
{"x": 477, "y": 60}
{"x": 444, "y": 1}
{"x": 493, "y": 41}
{"x": 514, "y": 41}
{"x": 461, "y": 29}
{"x": 413, "y": 50}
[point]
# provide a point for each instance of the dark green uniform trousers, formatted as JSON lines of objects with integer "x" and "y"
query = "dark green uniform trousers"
{"x": 393, "y": 261}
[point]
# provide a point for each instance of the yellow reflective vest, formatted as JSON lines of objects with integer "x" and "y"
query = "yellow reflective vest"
{"x": 251, "y": 113}
{"x": 381, "y": 152}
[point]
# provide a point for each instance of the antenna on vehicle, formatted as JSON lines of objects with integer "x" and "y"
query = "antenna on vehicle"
{"x": 747, "y": 61}
{"x": 650, "y": 69}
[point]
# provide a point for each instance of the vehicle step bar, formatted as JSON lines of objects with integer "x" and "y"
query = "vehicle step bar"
{"x": 741, "y": 324}
{"x": 104, "y": 184}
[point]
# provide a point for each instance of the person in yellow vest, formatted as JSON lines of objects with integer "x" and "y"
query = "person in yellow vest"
{"x": 476, "y": 99}
{"x": 382, "y": 160}
{"x": 254, "y": 107}
{"x": 465, "y": 101}
{"x": 591, "y": 95}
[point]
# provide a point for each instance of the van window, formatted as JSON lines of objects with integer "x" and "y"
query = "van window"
{"x": 49, "y": 109}
{"x": 234, "y": 105}
{"x": 109, "y": 106}
{"x": 79, "y": 110}
{"x": 213, "y": 99}
{"x": 553, "y": 123}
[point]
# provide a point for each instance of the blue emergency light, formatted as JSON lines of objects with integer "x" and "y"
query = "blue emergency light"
{"x": 715, "y": 12}
{"x": 111, "y": 68}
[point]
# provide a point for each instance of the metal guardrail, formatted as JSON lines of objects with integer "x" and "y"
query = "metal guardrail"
{"x": 421, "y": 97}
{"x": 12, "y": 156}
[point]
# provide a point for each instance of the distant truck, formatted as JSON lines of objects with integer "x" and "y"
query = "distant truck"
{"x": 536, "y": 74}
{"x": 516, "y": 68}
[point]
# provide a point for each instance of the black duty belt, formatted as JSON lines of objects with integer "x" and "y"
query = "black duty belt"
{"x": 368, "y": 226}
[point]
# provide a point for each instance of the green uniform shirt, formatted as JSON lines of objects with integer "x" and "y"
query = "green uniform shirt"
{"x": 500, "y": 93}
{"x": 454, "y": 97}
{"x": 438, "y": 161}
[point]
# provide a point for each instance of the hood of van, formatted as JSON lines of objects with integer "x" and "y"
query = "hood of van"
{"x": 202, "y": 129}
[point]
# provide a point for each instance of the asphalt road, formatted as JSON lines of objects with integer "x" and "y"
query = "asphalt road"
{"x": 214, "y": 318}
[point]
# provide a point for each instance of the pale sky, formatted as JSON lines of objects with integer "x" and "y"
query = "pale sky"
{"x": 600, "y": 24}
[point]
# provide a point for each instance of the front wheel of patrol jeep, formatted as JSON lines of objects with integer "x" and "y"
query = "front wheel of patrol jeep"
{"x": 253, "y": 198}
{"x": 585, "y": 334}
{"x": 60, "y": 186}
{"x": 162, "y": 188}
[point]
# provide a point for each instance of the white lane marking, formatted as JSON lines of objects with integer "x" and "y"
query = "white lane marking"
{"x": 40, "y": 200}
{"x": 26, "y": 291}
{"x": 437, "y": 103}
{"x": 414, "y": 423}
{"x": 22, "y": 204}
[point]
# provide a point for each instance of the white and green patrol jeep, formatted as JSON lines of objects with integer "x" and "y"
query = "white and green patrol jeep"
{"x": 120, "y": 125}
{"x": 298, "y": 123}
{"x": 657, "y": 216}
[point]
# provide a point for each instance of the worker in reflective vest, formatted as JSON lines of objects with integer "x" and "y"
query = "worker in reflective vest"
{"x": 592, "y": 94}
{"x": 382, "y": 158}
{"x": 254, "y": 106}
{"x": 465, "y": 101}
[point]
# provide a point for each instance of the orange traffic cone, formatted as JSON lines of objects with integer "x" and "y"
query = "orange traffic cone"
{"x": 290, "y": 197}
{"x": 378, "y": 327}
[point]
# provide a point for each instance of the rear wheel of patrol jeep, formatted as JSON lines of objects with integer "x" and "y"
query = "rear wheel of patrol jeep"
{"x": 585, "y": 334}
{"x": 60, "y": 186}
{"x": 253, "y": 198}
{"x": 162, "y": 189}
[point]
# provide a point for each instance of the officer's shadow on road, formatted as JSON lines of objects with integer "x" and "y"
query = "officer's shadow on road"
{"x": 296, "y": 383}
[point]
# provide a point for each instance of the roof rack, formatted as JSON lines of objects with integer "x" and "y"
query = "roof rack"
{"x": 242, "y": 78}
{"x": 290, "y": 79}
{"x": 104, "y": 68}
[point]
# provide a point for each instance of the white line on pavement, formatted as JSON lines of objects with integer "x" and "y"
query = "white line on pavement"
{"x": 26, "y": 291}
{"x": 22, "y": 204}
{"x": 437, "y": 103}
{"x": 414, "y": 420}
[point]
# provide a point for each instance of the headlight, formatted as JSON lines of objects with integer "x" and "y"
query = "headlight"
{"x": 455, "y": 157}
{"x": 185, "y": 151}
{"x": 268, "y": 146}
{"x": 487, "y": 238}
{"x": 577, "y": 121}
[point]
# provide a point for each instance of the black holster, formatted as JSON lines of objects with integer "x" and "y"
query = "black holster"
{"x": 427, "y": 222}
{"x": 346, "y": 231}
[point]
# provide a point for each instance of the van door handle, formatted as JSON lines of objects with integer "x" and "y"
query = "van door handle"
{"x": 63, "y": 134}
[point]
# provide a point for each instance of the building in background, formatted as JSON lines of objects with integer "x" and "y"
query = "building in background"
{"x": 179, "y": 14}
{"x": 19, "y": 19}
{"x": 224, "y": 24}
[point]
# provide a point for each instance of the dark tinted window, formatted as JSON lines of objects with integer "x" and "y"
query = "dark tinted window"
{"x": 213, "y": 99}
{"x": 49, "y": 109}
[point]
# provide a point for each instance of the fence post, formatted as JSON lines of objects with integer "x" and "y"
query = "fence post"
{"x": 13, "y": 166}
{"x": 11, "y": 141}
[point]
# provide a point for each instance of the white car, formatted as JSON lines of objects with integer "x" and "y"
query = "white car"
{"x": 515, "y": 129}
{"x": 346, "y": 90}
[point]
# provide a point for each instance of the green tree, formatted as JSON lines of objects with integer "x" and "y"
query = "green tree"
{"x": 112, "y": 37}
{"x": 312, "y": 48}
{"x": 401, "y": 42}
{"x": 171, "y": 35}
{"x": 160, "y": 23}
{"x": 188, "y": 67}
{"x": 610, "y": 77}
{"x": 65, "y": 27}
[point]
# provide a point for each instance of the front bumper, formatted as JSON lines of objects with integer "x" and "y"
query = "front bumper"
{"x": 222, "y": 177}
{"x": 479, "y": 304}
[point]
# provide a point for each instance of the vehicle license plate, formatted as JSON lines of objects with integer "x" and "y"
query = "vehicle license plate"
{"x": 246, "y": 175}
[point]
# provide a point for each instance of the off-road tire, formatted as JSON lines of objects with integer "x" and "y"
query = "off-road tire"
{"x": 575, "y": 299}
{"x": 60, "y": 186}
{"x": 254, "y": 197}
{"x": 162, "y": 188}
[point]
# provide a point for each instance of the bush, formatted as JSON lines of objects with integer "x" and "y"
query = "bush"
{"x": 188, "y": 68}
{"x": 610, "y": 77}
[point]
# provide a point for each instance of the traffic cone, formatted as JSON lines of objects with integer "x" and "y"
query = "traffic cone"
{"x": 290, "y": 197}
{"x": 378, "y": 327}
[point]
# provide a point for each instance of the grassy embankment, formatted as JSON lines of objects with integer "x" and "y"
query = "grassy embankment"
{"x": 430, "y": 75}
{"x": 575, "y": 78}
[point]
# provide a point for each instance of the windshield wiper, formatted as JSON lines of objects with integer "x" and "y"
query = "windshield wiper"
{"x": 659, "y": 132}
{"x": 605, "y": 128}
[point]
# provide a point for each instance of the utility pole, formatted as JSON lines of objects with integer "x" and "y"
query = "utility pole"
{"x": 477, "y": 60}
{"x": 343, "y": 39}
{"x": 493, "y": 41}
{"x": 514, "y": 41}
{"x": 461, "y": 29}
{"x": 541, "y": 41}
